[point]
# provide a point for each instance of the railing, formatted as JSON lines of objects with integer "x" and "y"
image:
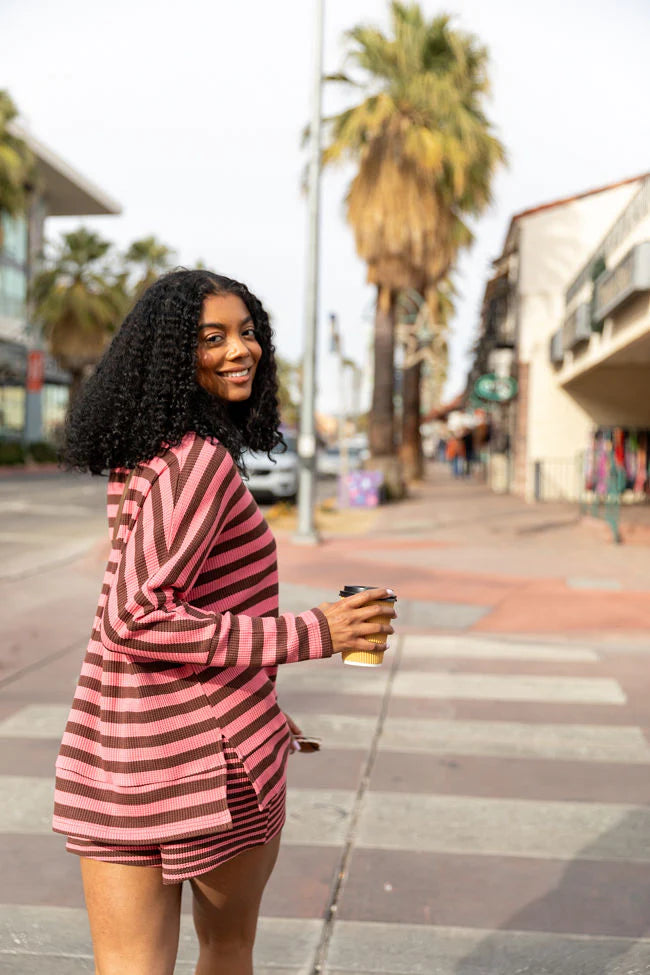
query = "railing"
{"x": 577, "y": 327}
{"x": 556, "y": 348}
{"x": 563, "y": 479}
{"x": 606, "y": 502}
{"x": 633, "y": 213}
{"x": 558, "y": 479}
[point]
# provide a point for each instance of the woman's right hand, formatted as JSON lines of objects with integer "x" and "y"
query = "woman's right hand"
{"x": 348, "y": 620}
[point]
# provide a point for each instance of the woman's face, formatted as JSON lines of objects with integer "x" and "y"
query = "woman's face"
{"x": 228, "y": 350}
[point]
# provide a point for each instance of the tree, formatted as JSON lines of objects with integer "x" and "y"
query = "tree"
{"x": 17, "y": 166}
{"x": 79, "y": 301}
{"x": 422, "y": 324}
{"x": 289, "y": 390}
{"x": 149, "y": 258}
{"x": 426, "y": 157}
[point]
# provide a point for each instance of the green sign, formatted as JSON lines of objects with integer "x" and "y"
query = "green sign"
{"x": 495, "y": 389}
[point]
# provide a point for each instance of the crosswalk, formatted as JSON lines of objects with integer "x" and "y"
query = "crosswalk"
{"x": 489, "y": 875}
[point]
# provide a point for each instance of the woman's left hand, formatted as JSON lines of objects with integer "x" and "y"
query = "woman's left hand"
{"x": 295, "y": 730}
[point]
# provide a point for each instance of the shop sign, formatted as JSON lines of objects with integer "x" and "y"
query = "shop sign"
{"x": 35, "y": 371}
{"x": 495, "y": 389}
{"x": 630, "y": 276}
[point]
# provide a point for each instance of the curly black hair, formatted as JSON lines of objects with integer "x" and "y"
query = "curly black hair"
{"x": 144, "y": 395}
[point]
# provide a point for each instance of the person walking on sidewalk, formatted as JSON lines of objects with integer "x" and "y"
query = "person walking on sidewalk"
{"x": 173, "y": 762}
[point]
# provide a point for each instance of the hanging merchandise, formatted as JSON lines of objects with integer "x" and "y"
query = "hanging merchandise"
{"x": 618, "y": 456}
{"x": 641, "y": 480}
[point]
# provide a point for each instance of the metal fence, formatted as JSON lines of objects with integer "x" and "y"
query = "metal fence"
{"x": 564, "y": 480}
{"x": 560, "y": 479}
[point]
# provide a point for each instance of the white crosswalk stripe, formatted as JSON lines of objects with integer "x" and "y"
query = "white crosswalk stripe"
{"x": 504, "y": 827}
{"x": 508, "y": 687}
{"x": 478, "y": 648}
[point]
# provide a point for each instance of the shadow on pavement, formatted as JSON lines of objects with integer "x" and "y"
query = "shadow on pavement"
{"x": 577, "y": 906}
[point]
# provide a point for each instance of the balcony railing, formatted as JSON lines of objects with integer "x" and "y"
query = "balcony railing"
{"x": 634, "y": 212}
{"x": 629, "y": 277}
{"x": 556, "y": 348}
{"x": 577, "y": 327}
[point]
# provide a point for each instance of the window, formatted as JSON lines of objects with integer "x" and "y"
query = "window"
{"x": 14, "y": 238}
{"x": 12, "y": 409}
{"x": 13, "y": 292}
{"x": 55, "y": 404}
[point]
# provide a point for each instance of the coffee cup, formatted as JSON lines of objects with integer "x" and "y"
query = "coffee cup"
{"x": 369, "y": 658}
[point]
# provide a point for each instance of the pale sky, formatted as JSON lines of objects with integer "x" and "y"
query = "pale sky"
{"x": 190, "y": 115}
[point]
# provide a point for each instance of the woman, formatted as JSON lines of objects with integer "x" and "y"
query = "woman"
{"x": 172, "y": 765}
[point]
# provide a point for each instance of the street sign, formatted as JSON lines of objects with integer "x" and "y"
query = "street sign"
{"x": 495, "y": 389}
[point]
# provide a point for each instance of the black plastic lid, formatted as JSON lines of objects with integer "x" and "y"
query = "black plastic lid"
{"x": 353, "y": 590}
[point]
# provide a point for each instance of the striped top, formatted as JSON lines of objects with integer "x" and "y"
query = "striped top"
{"x": 183, "y": 651}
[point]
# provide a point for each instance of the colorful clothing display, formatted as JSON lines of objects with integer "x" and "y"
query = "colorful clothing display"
{"x": 618, "y": 459}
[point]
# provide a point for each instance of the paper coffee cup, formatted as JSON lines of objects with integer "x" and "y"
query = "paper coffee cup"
{"x": 368, "y": 658}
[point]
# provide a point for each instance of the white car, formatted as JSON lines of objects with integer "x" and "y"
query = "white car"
{"x": 275, "y": 477}
{"x": 328, "y": 462}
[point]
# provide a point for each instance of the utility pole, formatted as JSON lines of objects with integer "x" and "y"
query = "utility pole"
{"x": 337, "y": 349}
{"x": 307, "y": 533}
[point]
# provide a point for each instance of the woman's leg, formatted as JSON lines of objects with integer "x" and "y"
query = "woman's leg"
{"x": 134, "y": 918}
{"x": 226, "y": 905}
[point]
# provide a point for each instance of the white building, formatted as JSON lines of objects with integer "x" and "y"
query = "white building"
{"x": 567, "y": 314}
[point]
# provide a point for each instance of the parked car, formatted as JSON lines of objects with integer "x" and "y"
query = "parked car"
{"x": 328, "y": 461}
{"x": 274, "y": 478}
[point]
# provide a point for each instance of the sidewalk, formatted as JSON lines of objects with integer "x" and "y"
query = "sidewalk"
{"x": 485, "y": 562}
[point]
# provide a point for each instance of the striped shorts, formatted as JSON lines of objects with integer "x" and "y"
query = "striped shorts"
{"x": 183, "y": 859}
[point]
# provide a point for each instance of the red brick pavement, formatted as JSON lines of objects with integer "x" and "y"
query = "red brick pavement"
{"x": 533, "y": 566}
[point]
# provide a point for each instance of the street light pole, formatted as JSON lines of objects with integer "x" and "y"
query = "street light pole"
{"x": 337, "y": 349}
{"x": 307, "y": 533}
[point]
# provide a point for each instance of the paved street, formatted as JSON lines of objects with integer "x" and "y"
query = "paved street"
{"x": 481, "y": 805}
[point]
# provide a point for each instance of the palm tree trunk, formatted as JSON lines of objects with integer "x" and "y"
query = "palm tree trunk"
{"x": 76, "y": 382}
{"x": 381, "y": 425}
{"x": 411, "y": 449}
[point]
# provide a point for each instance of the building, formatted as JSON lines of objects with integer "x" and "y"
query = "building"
{"x": 33, "y": 390}
{"x": 566, "y": 315}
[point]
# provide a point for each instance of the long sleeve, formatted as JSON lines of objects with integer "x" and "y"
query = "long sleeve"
{"x": 147, "y": 615}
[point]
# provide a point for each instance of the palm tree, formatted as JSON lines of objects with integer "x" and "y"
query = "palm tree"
{"x": 426, "y": 157}
{"x": 79, "y": 301}
{"x": 149, "y": 258}
{"x": 289, "y": 390}
{"x": 17, "y": 166}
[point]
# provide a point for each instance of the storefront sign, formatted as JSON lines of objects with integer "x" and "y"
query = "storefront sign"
{"x": 495, "y": 389}
{"x": 35, "y": 371}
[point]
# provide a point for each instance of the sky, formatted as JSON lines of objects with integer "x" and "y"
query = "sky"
{"x": 190, "y": 115}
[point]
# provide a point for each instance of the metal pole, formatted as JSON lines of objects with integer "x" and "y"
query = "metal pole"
{"x": 307, "y": 438}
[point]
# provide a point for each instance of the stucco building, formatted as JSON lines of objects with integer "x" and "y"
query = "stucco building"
{"x": 567, "y": 314}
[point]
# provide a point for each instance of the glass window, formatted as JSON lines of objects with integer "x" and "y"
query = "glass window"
{"x": 12, "y": 409}
{"x": 55, "y": 404}
{"x": 14, "y": 238}
{"x": 13, "y": 292}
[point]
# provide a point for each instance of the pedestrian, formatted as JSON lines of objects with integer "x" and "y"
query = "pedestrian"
{"x": 468, "y": 451}
{"x": 456, "y": 454}
{"x": 173, "y": 762}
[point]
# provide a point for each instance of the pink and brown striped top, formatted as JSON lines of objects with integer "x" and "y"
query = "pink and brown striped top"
{"x": 183, "y": 651}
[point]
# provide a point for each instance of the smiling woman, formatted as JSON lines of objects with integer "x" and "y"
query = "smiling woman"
{"x": 172, "y": 367}
{"x": 173, "y": 762}
{"x": 228, "y": 350}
